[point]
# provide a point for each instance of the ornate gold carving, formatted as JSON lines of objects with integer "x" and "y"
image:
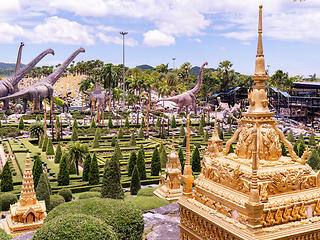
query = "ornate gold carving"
{"x": 264, "y": 193}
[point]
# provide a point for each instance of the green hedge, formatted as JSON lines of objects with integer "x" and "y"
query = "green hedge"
{"x": 147, "y": 203}
{"x": 147, "y": 192}
{"x": 6, "y": 199}
{"x": 87, "y": 195}
{"x": 4, "y": 235}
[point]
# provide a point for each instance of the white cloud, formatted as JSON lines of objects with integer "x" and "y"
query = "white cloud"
{"x": 223, "y": 48}
{"x": 9, "y": 32}
{"x": 117, "y": 40}
{"x": 9, "y": 7}
{"x": 246, "y": 43}
{"x": 108, "y": 29}
{"x": 155, "y": 38}
{"x": 198, "y": 40}
{"x": 59, "y": 30}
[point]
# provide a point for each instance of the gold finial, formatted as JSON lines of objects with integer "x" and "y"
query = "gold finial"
{"x": 173, "y": 149}
{"x": 188, "y": 142}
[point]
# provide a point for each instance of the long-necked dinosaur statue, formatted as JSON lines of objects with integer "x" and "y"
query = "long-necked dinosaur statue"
{"x": 44, "y": 88}
{"x": 15, "y": 88}
{"x": 189, "y": 97}
{"x": 7, "y": 84}
{"x": 97, "y": 98}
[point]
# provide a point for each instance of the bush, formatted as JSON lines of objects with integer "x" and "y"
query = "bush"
{"x": 43, "y": 192}
{"x": 200, "y": 131}
{"x": 4, "y": 235}
{"x": 21, "y": 124}
{"x": 133, "y": 140}
{"x": 147, "y": 203}
{"x": 74, "y": 135}
{"x": 195, "y": 162}
{"x": 75, "y": 124}
{"x": 181, "y": 158}
{"x": 63, "y": 175}
{"x": 312, "y": 141}
{"x": 7, "y": 199}
{"x": 57, "y": 156}
{"x": 95, "y": 143}
{"x": 142, "y": 150}
{"x": 86, "y": 168}
{"x": 206, "y": 136}
{"x": 49, "y": 150}
{"x": 44, "y": 143}
{"x": 117, "y": 150}
{"x": 6, "y": 179}
{"x": 87, "y": 195}
{"x": 127, "y": 220}
{"x": 93, "y": 123}
{"x": 120, "y": 134}
{"x": 155, "y": 163}
{"x": 301, "y": 148}
{"x": 37, "y": 171}
{"x": 147, "y": 192}
{"x": 141, "y": 133}
{"x": 132, "y": 162}
{"x": 75, "y": 226}
{"x": 56, "y": 200}
{"x": 301, "y": 138}
{"x": 93, "y": 176}
{"x": 113, "y": 141}
{"x": 163, "y": 158}
{"x": 110, "y": 124}
{"x": 66, "y": 194}
{"x": 283, "y": 149}
{"x": 95, "y": 189}
{"x": 41, "y": 141}
{"x": 135, "y": 184}
{"x": 126, "y": 123}
{"x": 158, "y": 122}
{"x": 141, "y": 164}
{"x": 173, "y": 122}
{"x": 314, "y": 160}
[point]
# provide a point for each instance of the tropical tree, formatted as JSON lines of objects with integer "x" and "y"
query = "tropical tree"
{"x": 108, "y": 77}
{"x": 76, "y": 152}
{"x": 36, "y": 129}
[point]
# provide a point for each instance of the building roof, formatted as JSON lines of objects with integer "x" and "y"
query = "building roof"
{"x": 311, "y": 85}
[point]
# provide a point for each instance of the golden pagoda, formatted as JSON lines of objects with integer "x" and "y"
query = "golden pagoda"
{"x": 26, "y": 215}
{"x": 254, "y": 193}
{"x": 170, "y": 187}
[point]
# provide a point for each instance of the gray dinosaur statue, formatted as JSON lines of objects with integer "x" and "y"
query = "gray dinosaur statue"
{"x": 189, "y": 97}
{"x": 97, "y": 98}
{"x": 7, "y": 84}
{"x": 44, "y": 88}
{"x": 15, "y": 88}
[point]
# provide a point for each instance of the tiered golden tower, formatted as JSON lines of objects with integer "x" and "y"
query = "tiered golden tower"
{"x": 28, "y": 214}
{"x": 254, "y": 193}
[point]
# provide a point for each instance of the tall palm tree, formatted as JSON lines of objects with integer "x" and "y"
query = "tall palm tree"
{"x": 108, "y": 77}
{"x": 224, "y": 69}
{"x": 76, "y": 152}
{"x": 36, "y": 129}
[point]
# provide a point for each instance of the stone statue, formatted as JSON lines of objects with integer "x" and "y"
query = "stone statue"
{"x": 44, "y": 88}
{"x": 96, "y": 97}
{"x": 15, "y": 88}
{"x": 7, "y": 84}
{"x": 224, "y": 107}
{"x": 189, "y": 97}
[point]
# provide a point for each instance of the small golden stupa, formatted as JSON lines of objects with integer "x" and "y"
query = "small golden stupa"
{"x": 26, "y": 215}
{"x": 254, "y": 193}
{"x": 170, "y": 188}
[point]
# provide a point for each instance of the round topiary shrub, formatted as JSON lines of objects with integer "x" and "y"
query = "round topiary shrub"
{"x": 66, "y": 194}
{"x": 6, "y": 199}
{"x": 4, "y": 235}
{"x": 126, "y": 219}
{"x": 95, "y": 189}
{"x": 87, "y": 195}
{"x": 56, "y": 200}
{"x": 75, "y": 226}
{"x": 147, "y": 192}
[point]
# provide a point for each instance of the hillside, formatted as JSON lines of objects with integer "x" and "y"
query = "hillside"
{"x": 144, "y": 67}
{"x": 7, "y": 69}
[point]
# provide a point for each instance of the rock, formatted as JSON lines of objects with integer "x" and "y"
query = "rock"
{"x": 4, "y": 215}
{"x": 26, "y": 236}
{"x": 172, "y": 208}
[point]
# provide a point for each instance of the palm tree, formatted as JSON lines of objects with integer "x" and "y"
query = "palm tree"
{"x": 76, "y": 152}
{"x": 36, "y": 129}
{"x": 224, "y": 69}
{"x": 108, "y": 77}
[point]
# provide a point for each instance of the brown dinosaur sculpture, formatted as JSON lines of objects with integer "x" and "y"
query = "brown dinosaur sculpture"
{"x": 189, "y": 97}
{"x": 97, "y": 98}
{"x": 15, "y": 88}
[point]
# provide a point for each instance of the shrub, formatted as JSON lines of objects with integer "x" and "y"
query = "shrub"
{"x": 132, "y": 162}
{"x": 75, "y": 226}
{"x": 86, "y": 168}
{"x": 141, "y": 133}
{"x": 200, "y": 131}
{"x": 206, "y": 136}
{"x": 117, "y": 150}
{"x": 95, "y": 189}
{"x": 196, "y": 166}
{"x": 45, "y": 143}
{"x": 126, "y": 123}
{"x": 133, "y": 140}
{"x": 6, "y": 179}
{"x": 93, "y": 123}
{"x": 58, "y": 122}
{"x": 181, "y": 158}
{"x": 173, "y": 122}
{"x": 155, "y": 163}
{"x": 56, "y": 200}
{"x": 301, "y": 138}
{"x": 66, "y": 194}
{"x": 283, "y": 149}
{"x": 312, "y": 141}
{"x": 142, "y": 150}
{"x": 38, "y": 118}
{"x": 142, "y": 123}
{"x": 111, "y": 185}
{"x": 147, "y": 192}
{"x": 301, "y": 148}
{"x": 95, "y": 143}
{"x": 229, "y": 131}
{"x": 98, "y": 133}
{"x": 141, "y": 166}
{"x": 43, "y": 192}
{"x": 147, "y": 203}
{"x": 110, "y": 124}
{"x": 113, "y": 141}
{"x": 314, "y": 160}
{"x": 290, "y": 137}
{"x": 37, "y": 170}
{"x": 295, "y": 148}
{"x": 91, "y": 194}
{"x": 74, "y": 135}
{"x": 220, "y": 133}
{"x": 126, "y": 219}
{"x": 4, "y": 235}
{"x": 57, "y": 156}
{"x": 48, "y": 183}
{"x": 63, "y": 175}
{"x": 163, "y": 158}
{"x": 202, "y": 120}
{"x": 231, "y": 149}
{"x": 21, "y": 124}
{"x": 49, "y": 150}
{"x": 41, "y": 141}
{"x": 7, "y": 199}
{"x": 158, "y": 122}
{"x": 184, "y": 141}
{"x": 75, "y": 124}
{"x": 93, "y": 176}
{"x": 135, "y": 184}
{"x": 120, "y": 133}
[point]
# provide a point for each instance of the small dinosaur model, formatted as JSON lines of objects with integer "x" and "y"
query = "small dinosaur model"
{"x": 189, "y": 97}
{"x": 7, "y": 84}
{"x": 225, "y": 109}
{"x": 97, "y": 97}
{"x": 44, "y": 88}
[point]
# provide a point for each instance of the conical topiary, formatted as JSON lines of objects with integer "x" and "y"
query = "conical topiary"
{"x": 158, "y": 122}
{"x": 21, "y": 124}
{"x": 86, "y": 168}
{"x": 301, "y": 148}
{"x": 120, "y": 133}
{"x": 38, "y": 118}
{"x": 220, "y": 133}
{"x": 155, "y": 163}
{"x": 63, "y": 175}
{"x": 133, "y": 140}
{"x": 126, "y": 123}
{"x": 173, "y": 122}
{"x": 135, "y": 184}
{"x": 163, "y": 158}
{"x": 141, "y": 164}
{"x": 295, "y": 148}
{"x": 41, "y": 141}
{"x": 141, "y": 133}
{"x": 111, "y": 185}
{"x": 206, "y": 136}
{"x": 301, "y": 138}
{"x": 58, "y": 122}
{"x": 314, "y": 160}
{"x": 110, "y": 124}
{"x": 142, "y": 123}
{"x": 229, "y": 132}
{"x": 117, "y": 150}
{"x": 43, "y": 192}
{"x": 142, "y": 150}
{"x": 181, "y": 158}
{"x": 290, "y": 137}
{"x": 195, "y": 162}
{"x": 200, "y": 131}
{"x": 312, "y": 141}
{"x": 95, "y": 143}
{"x": 182, "y": 131}
{"x": 202, "y": 120}
{"x": 98, "y": 133}
{"x": 132, "y": 162}
{"x": 74, "y": 135}
{"x": 48, "y": 182}
{"x": 94, "y": 171}
{"x": 6, "y": 179}
{"x": 37, "y": 170}
{"x": 283, "y": 149}
{"x": 58, "y": 154}
{"x": 45, "y": 143}
{"x": 75, "y": 124}
{"x": 231, "y": 149}
{"x": 49, "y": 150}
{"x": 113, "y": 141}
{"x": 184, "y": 141}
{"x": 93, "y": 123}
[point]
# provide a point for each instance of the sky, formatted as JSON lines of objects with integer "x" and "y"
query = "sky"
{"x": 192, "y": 31}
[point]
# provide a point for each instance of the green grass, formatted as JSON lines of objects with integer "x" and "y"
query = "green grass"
{"x": 147, "y": 192}
{"x": 147, "y": 203}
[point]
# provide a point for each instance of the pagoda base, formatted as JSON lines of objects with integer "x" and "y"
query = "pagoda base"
{"x": 197, "y": 222}
{"x": 171, "y": 195}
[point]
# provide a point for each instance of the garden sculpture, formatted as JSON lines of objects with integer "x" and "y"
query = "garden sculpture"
{"x": 236, "y": 108}
{"x": 189, "y": 97}
{"x": 15, "y": 88}
{"x": 96, "y": 97}
{"x": 44, "y": 88}
{"x": 7, "y": 84}
{"x": 224, "y": 107}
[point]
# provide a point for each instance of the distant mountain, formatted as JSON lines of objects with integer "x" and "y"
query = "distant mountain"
{"x": 6, "y": 69}
{"x": 196, "y": 70}
{"x": 145, "y": 67}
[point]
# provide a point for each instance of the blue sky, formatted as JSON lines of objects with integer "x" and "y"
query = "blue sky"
{"x": 189, "y": 30}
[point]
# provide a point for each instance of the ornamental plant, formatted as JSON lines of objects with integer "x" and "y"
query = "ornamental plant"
{"x": 229, "y": 132}
{"x": 202, "y": 120}
{"x": 86, "y": 168}
{"x": 58, "y": 122}
{"x": 95, "y": 143}
{"x": 295, "y": 148}
{"x": 173, "y": 122}
{"x": 301, "y": 148}
{"x": 44, "y": 143}
{"x": 141, "y": 133}
{"x": 163, "y": 158}
{"x": 75, "y": 124}
{"x": 133, "y": 140}
{"x": 42, "y": 191}
{"x": 21, "y": 124}
{"x": 206, "y": 136}
{"x": 120, "y": 133}
{"x": 126, "y": 123}
{"x": 314, "y": 160}
{"x": 155, "y": 163}
{"x": 312, "y": 141}
{"x": 63, "y": 175}
{"x": 135, "y": 184}
{"x": 195, "y": 162}
{"x": 142, "y": 149}
{"x": 49, "y": 150}
{"x": 57, "y": 156}
{"x": 37, "y": 170}
{"x": 182, "y": 131}
{"x": 142, "y": 123}
{"x": 181, "y": 158}
{"x": 132, "y": 162}
{"x": 38, "y": 118}
{"x": 98, "y": 133}
{"x": 290, "y": 137}
{"x": 158, "y": 122}
{"x": 41, "y": 141}
{"x": 113, "y": 141}
{"x": 6, "y": 179}
{"x": 74, "y": 135}
{"x": 200, "y": 131}
{"x": 283, "y": 149}
{"x": 117, "y": 150}
{"x": 301, "y": 138}
{"x": 110, "y": 124}
{"x": 94, "y": 171}
{"x": 93, "y": 123}
{"x": 141, "y": 166}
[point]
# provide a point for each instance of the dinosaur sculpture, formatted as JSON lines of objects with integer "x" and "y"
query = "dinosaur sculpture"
{"x": 15, "y": 88}
{"x": 7, "y": 84}
{"x": 96, "y": 97}
{"x": 224, "y": 107}
{"x": 44, "y": 88}
{"x": 189, "y": 97}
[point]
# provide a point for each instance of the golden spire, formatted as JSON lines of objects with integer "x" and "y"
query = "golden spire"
{"x": 187, "y": 147}
{"x": 259, "y": 76}
{"x": 27, "y": 189}
{"x": 173, "y": 149}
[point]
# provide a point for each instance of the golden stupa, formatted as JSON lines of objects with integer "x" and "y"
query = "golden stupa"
{"x": 254, "y": 193}
{"x": 170, "y": 187}
{"x": 26, "y": 215}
